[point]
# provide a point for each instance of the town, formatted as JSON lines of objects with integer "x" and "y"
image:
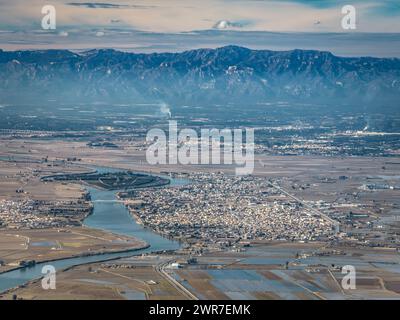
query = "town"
{"x": 220, "y": 208}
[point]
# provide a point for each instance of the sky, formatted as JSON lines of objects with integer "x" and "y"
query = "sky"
{"x": 176, "y": 25}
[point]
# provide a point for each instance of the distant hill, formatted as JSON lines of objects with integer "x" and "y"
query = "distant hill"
{"x": 227, "y": 74}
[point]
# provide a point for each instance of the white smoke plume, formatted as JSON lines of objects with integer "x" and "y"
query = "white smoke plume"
{"x": 165, "y": 110}
{"x": 366, "y": 128}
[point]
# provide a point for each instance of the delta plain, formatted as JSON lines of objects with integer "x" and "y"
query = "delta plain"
{"x": 312, "y": 206}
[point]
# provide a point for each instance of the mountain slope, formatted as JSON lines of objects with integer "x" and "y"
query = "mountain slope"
{"x": 228, "y": 74}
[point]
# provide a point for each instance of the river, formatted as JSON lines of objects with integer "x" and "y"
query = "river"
{"x": 108, "y": 215}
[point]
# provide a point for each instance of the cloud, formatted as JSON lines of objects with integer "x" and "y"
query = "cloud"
{"x": 387, "y": 8}
{"x": 322, "y": 3}
{"x": 226, "y": 24}
{"x": 104, "y": 5}
{"x": 383, "y": 7}
{"x": 193, "y": 15}
{"x": 95, "y": 5}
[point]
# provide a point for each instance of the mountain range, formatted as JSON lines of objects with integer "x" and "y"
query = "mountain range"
{"x": 229, "y": 74}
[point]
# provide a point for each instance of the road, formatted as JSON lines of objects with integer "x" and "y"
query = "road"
{"x": 160, "y": 269}
{"x": 316, "y": 211}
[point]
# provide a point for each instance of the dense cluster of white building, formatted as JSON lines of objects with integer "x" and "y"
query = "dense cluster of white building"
{"x": 216, "y": 206}
{"x": 31, "y": 214}
{"x": 20, "y": 214}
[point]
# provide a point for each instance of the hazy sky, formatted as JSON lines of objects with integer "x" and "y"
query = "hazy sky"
{"x": 154, "y": 25}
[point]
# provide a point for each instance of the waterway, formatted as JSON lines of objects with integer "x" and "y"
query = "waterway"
{"x": 109, "y": 215}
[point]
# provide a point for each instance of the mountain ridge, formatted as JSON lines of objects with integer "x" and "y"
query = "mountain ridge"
{"x": 225, "y": 74}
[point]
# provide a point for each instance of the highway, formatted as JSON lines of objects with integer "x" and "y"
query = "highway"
{"x": 316, "y": 211}
{"x": 160, "y": 269}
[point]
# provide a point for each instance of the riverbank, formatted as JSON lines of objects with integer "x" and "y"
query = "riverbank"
{"x": 36, "y": 280}
{"x": 108, "y": 216}
{"x": 18, "y": 247}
